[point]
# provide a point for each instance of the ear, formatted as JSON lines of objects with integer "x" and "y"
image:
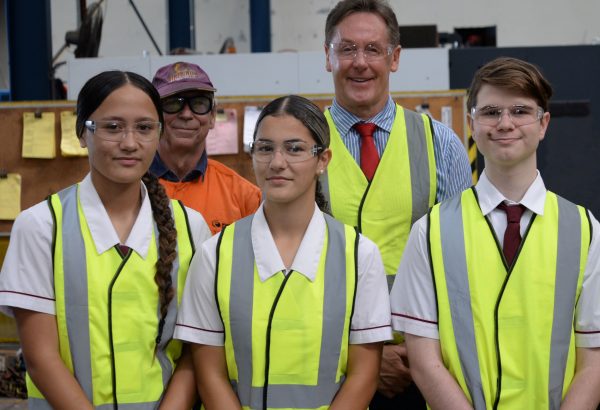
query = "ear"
{"x": 82, "y": 142}
{"x": 544, "y": 122}
{"x": 395, "y": 59}
{"x": 324, "y": 160}
{"x": 470, "y": 124}
{"x": 212, "y": 118}
{"x": 327, "y": 57}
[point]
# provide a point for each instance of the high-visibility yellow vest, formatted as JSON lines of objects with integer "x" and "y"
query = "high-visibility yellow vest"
{"x": 286, "y": 341}
{"x": 401, "y": 191}
{"x": 506, "y": 332}
{"x": 107, "y": 312}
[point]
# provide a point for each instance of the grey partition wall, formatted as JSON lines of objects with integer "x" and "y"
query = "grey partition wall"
{"x": 569, "y": 156}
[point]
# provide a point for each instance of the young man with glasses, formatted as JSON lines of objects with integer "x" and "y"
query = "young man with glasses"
{"x": 216, "y": 191}
{"x": 389, "y": 164}
{"x": 497, "y": 292}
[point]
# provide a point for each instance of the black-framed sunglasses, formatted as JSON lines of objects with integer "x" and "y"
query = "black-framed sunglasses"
{"x": 200, "y": 105}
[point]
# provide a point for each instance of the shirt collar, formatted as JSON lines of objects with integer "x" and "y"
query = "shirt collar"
{"x": 268, "y": 260}
{"x": 101, "y": 228}
{"x": 159, "y": 169}
{"x": 344, "y": 119}
{"x": 489, "y": 196}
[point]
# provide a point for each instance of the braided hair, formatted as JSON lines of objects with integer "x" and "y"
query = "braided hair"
{"x": 91, "y": 96}
{"x": 167, "y": 246}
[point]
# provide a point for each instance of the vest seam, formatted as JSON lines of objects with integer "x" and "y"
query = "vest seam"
{"x": 435, "y": 199}
{"x": 356, "y": 240}
{"x": 268, "y": 339}
{"x": 217, "y": 268}
{"x": 110, "y": 332}
{"x": 431, "y": 268}
{"x": 54, "y": 230}
{"x": 187, "y": 225}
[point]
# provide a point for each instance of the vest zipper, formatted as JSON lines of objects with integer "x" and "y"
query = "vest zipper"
{"x": 268, "y": 343}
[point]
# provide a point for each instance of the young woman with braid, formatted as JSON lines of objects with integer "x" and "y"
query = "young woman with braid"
{"x": 94, "y": 275}
{"x": 287, "y": 308}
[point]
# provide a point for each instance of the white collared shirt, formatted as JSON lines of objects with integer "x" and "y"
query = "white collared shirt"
{"x": 199, "y": 320}
{"x": 414, "y": 307}
{"x": 27, "y": 277}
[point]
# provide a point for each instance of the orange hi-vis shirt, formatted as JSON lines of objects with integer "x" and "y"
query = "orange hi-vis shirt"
{"x": 222, "y": 196}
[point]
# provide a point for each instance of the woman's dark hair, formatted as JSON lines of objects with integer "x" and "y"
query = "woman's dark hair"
{"x": 91, "y": 96}
{"x": 96, "y": 89}
{"x": 311, "y": 117}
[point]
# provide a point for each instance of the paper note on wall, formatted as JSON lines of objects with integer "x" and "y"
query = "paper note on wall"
{"x": 38, "y": 135}
{"x": 223, "y": 138}
{"x": 251, "y": 114}
{"x": 69, "y": 143}
{"x": 10, "y": 196}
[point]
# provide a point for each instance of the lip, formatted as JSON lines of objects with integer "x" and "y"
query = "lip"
{"x": 277, "y": 180}
{"x": 128, "y": 161}
{"x": 360, "y": 80}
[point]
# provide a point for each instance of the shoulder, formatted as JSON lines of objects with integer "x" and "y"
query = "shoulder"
{"x": 35, "y": 220}
{"x": 218, "y": 170}
{"x": 197, "y": 225}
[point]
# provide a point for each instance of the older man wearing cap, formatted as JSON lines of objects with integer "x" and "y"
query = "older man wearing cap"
{"x": 181, "y": 163}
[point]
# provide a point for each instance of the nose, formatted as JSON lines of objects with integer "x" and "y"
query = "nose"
{"x": 128, "y": 141}
{"x": 505, "y": 120}
{"x": 278, "y": 160}
{"x": 359, "y": 58}
{"x": 186, "y": 111}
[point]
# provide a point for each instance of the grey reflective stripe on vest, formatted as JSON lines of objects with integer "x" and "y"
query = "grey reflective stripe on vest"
{"x": 76, "y": 290}
{"x": 457, "y": 283}
{"x": 419, "y": 168}
{"x": 567, "y": 275}
{"x": 334, "y": 309}
{"x": 76, "y": 302}
{"x": 41, "y": 404}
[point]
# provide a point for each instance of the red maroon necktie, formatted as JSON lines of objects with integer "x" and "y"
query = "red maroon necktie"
{"x": 512, "y": 235}
{"x": 369, "y": 158}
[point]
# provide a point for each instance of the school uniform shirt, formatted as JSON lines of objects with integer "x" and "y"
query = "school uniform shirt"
{"x": 199, "y": 321}
{"x": 413, "y": 300}
{"x": 27, "y": 276}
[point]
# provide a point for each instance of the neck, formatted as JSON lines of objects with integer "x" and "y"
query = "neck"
{"x": 181, "y": 161}
{"x": 364, "y": 112}
{"x": 280, "y": 222}
{"x": 514, "y": 182}
{"x": 122, "y": 203}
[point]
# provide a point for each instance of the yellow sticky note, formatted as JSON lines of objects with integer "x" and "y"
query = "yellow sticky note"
{"x": 38, "y": 135}
{"x": 69, "y": 143}
{"x": 10, "y": 196}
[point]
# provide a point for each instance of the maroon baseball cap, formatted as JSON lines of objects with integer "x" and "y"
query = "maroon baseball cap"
{"x": 180, "y": 76}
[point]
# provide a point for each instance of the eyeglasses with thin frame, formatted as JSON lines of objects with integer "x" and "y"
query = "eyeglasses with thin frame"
{"x": 371, "y": 52}
{"x": 112, "y": 130}
{"x": 519, "y": 114}
{"x": 200, "y": 104}
{"x": 292, "y": 151}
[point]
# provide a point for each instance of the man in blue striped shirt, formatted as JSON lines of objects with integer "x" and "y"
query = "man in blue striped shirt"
{"x": 419, "y": 161}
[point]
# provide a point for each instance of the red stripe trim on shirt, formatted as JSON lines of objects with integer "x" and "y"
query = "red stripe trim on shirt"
{"x": 592, "y": 332}
{"x": 370, "y": 328}
{"x": 27, "y": 294}
{"x": 199, "y": 328}
{"x": 414, "y": 318}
